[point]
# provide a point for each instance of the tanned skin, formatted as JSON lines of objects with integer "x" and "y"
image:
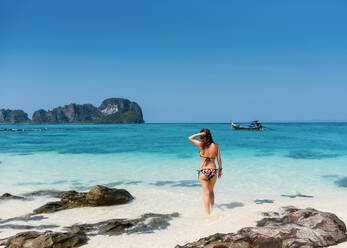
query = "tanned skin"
{"x": 207, "y": 185}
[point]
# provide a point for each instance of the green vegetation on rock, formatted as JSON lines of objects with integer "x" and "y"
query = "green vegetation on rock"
{"x": 121, "y": 117}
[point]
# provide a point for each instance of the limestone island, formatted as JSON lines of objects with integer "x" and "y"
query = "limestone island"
{"x": 111, "y": 110}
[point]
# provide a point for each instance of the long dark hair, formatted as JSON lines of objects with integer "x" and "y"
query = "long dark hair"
{"x": 206, "y": 140}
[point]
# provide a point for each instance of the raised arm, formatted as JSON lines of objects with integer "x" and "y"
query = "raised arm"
{"x": 194, "y": 141}
{"x": 219, "y": 160}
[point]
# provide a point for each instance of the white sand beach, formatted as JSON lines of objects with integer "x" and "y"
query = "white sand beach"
{"x": 231, "y": 213}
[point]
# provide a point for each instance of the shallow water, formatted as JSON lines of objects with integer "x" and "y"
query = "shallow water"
{"x": 157, "y": 164}
{"x": 307, "y": 158}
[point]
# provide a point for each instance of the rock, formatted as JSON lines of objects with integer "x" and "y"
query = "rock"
{"x": 112, "y": 110}
{"x": 306, "y": 228}
{"x": 147, "y": 223}
{"x": 13, "y": 116}
{"x": 47, "y": 239}
{"x": 51, "y": 207}
{"x": 97, "y": 196}
{"x": 119, "y": 110}
{"x": 8, "y": 196}
{"x": 270, "y": 214}
{"x": 50, "y": 193}
{"x": 103, "y": 196}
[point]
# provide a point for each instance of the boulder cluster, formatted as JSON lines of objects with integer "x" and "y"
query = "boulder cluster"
{"x": 306, "y": 228}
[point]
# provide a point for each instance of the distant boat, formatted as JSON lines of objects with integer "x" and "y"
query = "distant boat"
{"x": 255, "y": 125}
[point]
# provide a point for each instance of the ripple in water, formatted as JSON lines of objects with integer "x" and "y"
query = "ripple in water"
{"x": 311, "y": 155}
{"x": 342, "y": 182}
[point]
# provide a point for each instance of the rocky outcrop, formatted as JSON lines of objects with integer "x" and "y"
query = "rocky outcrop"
{"x": 50, "y": 193}
{"x": 97, "y": 196}
{"x": 147, "y": 223}
{"x": 77, "y": 234}
{"x": 8, "y": 196}
{"x": 13, "y": 116}
{"x": 112, "y": 110}
{"x": 307, "y": 228}
{"x": 119, "y": 110}
{"x": 47, "y": 239}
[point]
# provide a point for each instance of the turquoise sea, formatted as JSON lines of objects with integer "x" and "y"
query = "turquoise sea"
{"x": 284, "y": 158}
{"x": 298, "y": 164}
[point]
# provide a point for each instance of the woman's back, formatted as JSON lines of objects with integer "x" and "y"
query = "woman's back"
{"x": 208, "y": 156}
{"x": 210, "y": 151}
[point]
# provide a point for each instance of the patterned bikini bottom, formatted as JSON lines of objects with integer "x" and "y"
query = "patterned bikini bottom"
{"x": 210, "y": 173}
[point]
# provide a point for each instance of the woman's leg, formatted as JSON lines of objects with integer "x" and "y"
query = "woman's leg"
{"x": 210, "y": 189}
{"x": 205, "y": 187}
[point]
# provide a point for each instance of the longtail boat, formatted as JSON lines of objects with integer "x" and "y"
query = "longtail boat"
{"x": 255, "y": 125}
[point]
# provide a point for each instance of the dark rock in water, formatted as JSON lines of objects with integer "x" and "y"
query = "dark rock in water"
{"x": 147, "y": 223}
{"x": 342, "y": 182}
{"x": 47, "y": 239}
{"x": 13, "y": 116}
{"x": 8, "y": 196}
{"x": 97, "y": 196}
{"x": 307, "y": 228}
{"x": 297, "y": 195}
{"x": 263, "y": 201}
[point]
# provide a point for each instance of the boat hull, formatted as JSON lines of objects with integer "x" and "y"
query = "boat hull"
{"x": 247, "y": 128}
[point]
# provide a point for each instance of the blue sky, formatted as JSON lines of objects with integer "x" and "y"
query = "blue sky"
{"x": 182, "y": 61}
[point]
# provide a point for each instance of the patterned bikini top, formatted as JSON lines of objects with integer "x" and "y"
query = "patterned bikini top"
{"x": 207, "y": 159}
{"x": 205, "y": 156}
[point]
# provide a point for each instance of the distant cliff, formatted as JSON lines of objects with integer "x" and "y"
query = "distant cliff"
{"x": 72, "y": 113}
{"x": 13, "y": 116}
{"x": 112, "y": 110}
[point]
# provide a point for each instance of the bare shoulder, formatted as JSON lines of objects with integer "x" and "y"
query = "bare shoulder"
{"x": 216, "y": 146}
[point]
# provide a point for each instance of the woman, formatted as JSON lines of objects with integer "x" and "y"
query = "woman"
{"x": 208, "y": 171}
